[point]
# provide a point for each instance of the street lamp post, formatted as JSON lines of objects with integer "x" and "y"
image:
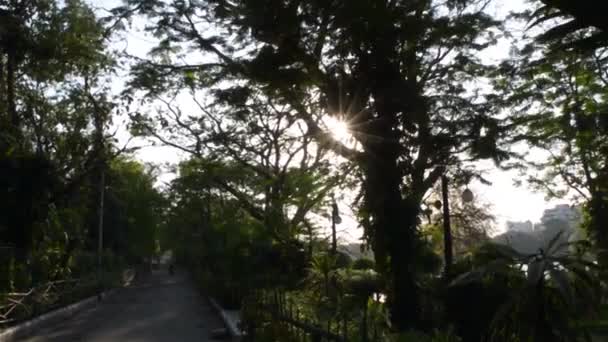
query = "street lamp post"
{"x": 447, "y": 229}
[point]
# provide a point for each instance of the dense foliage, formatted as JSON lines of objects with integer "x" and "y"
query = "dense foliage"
{"x": 558, "y": 98}
{"x": 55, "y": 108}
{"x": 395, "y": 72}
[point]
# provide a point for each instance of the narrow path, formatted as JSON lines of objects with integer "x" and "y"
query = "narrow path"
{"x": 159, "y": 308}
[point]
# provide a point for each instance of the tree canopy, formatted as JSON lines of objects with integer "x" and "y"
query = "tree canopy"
{"x": 280, "y": 109}
{"x": 397, "y": 73}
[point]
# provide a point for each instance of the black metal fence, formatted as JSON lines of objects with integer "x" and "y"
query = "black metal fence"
{"x": 278, "y": 309}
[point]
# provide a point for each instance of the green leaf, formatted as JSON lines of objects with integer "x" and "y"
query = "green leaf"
{"x": 507, "y": 251}
{"x": 189, "y": 78}
{"x": 9, "y": 151}
{"x": 499, "y": 266}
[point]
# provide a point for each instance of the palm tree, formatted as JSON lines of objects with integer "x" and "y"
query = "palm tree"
{"x": 551, "y": 290}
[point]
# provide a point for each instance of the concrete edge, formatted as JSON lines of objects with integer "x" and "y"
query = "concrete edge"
{"x": 26, "y": 328}
{"x": 232, "y": 326}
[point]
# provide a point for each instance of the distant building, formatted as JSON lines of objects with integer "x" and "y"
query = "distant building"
{"x": 524, "y": 227}
{"x": 527, "y": 237}
{"x": 571, "y": 215}
{"x": 563, "y": 212}
{"x": 354, "y": 251}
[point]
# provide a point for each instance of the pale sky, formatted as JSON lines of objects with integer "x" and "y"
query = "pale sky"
{"x": 510, "y": 202}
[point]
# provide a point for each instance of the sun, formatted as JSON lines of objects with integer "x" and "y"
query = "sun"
{"x": 338, "y": 128}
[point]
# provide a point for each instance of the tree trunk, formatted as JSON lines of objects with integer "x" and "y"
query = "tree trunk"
{"x": 405, "y": 310}
{"x": 311, "y": 238}
{"x": 598, "y": 212}
{"x": 5, "y": 125}
{"x": 2, "y": 83}
{"x": 100, "y": 212}
{"x": 447, "y": 229}
{"x": 99, "y": 121}
{"x": 544, "y": 331}
{"x": 393, "y": 225}
{"x": 334, "y": 239}
{"x": 10, "y": 93}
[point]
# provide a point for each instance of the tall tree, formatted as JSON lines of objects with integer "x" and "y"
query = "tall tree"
{"x": 53, "y": 63}
{"x": 44, "y": 45}
{"x": 399, "y": 72}
{"x": 135, "y": 210}
{"x": 577, "y": 24}
{"x": 472, "y": 222}
{"x": 561, "y": 97}
{"x": 211, "y": 231}
{"x": 286, "y": 175}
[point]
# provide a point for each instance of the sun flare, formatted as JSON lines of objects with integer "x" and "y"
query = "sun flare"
{"x": 339, "y": 129}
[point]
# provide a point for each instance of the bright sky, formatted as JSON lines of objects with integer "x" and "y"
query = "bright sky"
{"x": 510, "y": 202}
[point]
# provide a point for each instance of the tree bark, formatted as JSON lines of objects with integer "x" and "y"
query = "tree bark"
{"x": 598, "y": 212}
{"x": 405, "y": 309}
{"x": 99, "y": 118}
{"x": 4, "y": 121}
{"x": 10, "y": 93}
{"x": 394, "y": 212}
{"x": 100, "y": 212}
{"x": 2, "y": 81}
{"x": 334, "y": 238}
{"x": 393, "y": 223}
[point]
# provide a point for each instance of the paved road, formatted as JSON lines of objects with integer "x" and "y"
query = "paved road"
{"x": 159, "y": 308}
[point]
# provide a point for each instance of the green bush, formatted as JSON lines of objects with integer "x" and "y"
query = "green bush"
{"x": 363, "y": 264}
{"x": 472, "y": 307}
{"x": 416, "y": 336}
{"x": 85, "y": 263}
{"x": 538, "y": 296}
{"x": 343, "y": 260}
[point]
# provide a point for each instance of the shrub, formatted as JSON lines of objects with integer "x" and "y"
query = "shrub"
{"x": 363, "y": 264}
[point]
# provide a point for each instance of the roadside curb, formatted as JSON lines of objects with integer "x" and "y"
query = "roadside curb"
{"x": 231, "y": 324}
{"x": 28, "y": 327}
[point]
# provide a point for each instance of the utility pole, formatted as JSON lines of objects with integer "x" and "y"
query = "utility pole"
{"x": 102, "y": 181}
{"x": 447, "y": 229}
{"x": 335, "y": 219}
